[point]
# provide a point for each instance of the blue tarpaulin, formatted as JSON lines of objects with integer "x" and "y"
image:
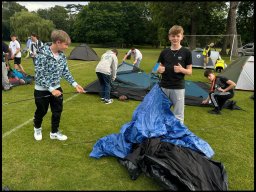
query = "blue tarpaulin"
{"x": 151, "y": 119}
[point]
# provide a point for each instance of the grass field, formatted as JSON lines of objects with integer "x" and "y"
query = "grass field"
{"x": 54, "y": 165}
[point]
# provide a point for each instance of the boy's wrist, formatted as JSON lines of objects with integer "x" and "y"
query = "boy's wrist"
{"x": 74, "y": 84}
{"x": 51, "y": 89}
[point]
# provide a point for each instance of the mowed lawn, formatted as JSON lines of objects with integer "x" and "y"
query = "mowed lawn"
{"x": 56, "y": 165}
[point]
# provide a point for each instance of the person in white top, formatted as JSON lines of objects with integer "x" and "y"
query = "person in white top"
{"x": 16, "y": 53}
{"x": 106, "y": 72}
{"x": 137, "y": 55}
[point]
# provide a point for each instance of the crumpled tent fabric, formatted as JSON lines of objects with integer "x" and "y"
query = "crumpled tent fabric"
{"x": 130, "y": 81}
{"x": 175, "y": 168}
{"x": 151, "y": 119}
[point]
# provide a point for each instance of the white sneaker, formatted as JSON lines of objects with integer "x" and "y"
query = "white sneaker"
{"x": 58, "y": 136}
{"x": 109, "y": 101}
{"x": 38, "y": 133}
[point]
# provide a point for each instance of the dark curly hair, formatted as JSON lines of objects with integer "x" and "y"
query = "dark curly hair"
{"x": 207, "y": 72}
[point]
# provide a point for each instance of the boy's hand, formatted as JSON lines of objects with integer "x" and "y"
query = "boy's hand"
{"x": 56, "y": 93}
{"x": 178, "y": 68}
{"x": 80, "y": 89}
{"x": 161, "y": 68}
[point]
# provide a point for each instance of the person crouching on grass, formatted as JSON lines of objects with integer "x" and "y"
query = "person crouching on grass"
{"x": 50, "y": 67}
{"x": 221, "y": 90}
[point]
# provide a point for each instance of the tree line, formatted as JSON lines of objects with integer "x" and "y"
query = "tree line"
{"x": 127, "y": 23}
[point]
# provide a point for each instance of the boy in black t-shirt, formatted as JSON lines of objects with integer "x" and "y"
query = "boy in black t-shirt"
{"x": 221, "y": 90}
{"x": 175, "y": 63}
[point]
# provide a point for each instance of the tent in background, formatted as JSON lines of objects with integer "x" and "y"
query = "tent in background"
{"x": 241, "y": 71}
{"x": 198, "y": 58}
{"x": 83, "y": 52}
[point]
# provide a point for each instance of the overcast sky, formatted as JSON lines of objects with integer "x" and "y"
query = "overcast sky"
{"x": 35, "y": 5}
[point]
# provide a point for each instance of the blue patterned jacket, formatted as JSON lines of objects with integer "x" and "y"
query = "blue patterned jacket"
{"x": 49, "y": 71}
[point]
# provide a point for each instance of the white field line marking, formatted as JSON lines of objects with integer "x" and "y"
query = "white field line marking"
{"x": 28, "y": 121}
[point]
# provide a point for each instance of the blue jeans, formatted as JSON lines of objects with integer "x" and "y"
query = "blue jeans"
{"x": 105, "y": 81}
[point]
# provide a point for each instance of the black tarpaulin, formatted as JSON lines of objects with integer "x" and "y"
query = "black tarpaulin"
{"x": 175, "y": 167}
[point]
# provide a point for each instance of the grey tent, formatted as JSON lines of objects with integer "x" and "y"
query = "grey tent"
{"x": 241, "y": 71}
{"x": 198, "y": 58}
{"x": 83, "y": 52}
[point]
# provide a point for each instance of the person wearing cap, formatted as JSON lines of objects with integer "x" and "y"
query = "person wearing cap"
{"x": 207, "y": 53}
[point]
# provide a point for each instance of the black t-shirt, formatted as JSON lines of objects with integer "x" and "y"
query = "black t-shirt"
{"x": 169, "y": 58}
{"x": 222, "y": 82}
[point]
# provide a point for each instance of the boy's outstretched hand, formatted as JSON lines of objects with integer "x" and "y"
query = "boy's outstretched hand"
{"x": 80, "y": 89}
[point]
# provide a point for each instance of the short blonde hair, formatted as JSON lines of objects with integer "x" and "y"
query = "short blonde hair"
{"x": 176, "y": 29}
{"x": 60, "y": 35}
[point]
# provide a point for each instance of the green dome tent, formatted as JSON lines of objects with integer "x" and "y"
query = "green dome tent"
{"x": 83, "y": 52}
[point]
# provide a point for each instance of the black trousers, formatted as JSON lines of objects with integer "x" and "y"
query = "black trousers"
{"x": 42, "y": 101}
{"x": 219, "y": 98}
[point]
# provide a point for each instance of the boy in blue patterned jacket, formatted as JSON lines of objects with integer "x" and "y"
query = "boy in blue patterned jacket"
{"x": 50, "y": 67}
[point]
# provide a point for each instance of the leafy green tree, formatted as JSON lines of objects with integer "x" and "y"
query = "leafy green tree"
{"x": 58, "y": 15}
{"x": 104, "y": 22}
{"x": 231, "y": 29}
{"x": 97, "y": 23}
{"x": 245, "y": 21}
{"x": 72, "y": 11}
{"x": 24, "y": 23}
{"x": 197, "y": 18}
{"x": 9, "y": 8}
{"x": 162, "y": 36}
{"x": 44, "y": 13}
{"x": 134, "y": 21}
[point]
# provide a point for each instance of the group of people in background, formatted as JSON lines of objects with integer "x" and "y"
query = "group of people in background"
{"x": 51, "y": 66}
{"x": 17, "y": 75}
